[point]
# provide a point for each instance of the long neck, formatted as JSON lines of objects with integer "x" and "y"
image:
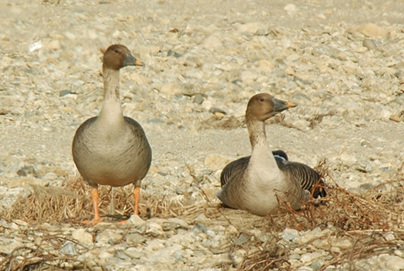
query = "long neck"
{"x": 256, "y": 131}
{"x": 261, "y": 155}
{"x": 111, "y": 109}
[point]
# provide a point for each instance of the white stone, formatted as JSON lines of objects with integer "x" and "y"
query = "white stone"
{"x": 170, "y": 89}
{"x": 342, "y": 243}
{"x": 289, "y": 234}
{"x": 105, "y": 255}
{"x": 136, "y": 220}
{"x": 382, "y": 262}
{"x": 68, "y": 248}
{"x": 290, "y": 9}
{"x": 178, "y": 221}
{"x": 248, "y": 77}
{"x": 313, "y": 234}
{"x": 372, "y": 30}
{"x": 154, "y": 229}
{"x": 108, "y": 237}
{"x": 82, "y": 236}
{"x": 35, "y": 46}
{"x": 54, "y": 45}
{"x": 8, "y": 245}
{"x": 217, "y": 161}
{"x": 310, "y": 257}
{"x": 133, "y": 252}
{"x": 213, "y": 43}
{"x": 252, "y": 28}
{"x": 155, "y": 244}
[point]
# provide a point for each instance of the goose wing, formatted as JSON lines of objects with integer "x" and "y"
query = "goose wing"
{"x": 309, "y": 179}
{"x": 234, "y": 170}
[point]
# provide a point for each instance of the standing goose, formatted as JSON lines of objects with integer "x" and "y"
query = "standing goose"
{"x": 253, "y": 183}
{"x": 112, "y": 149}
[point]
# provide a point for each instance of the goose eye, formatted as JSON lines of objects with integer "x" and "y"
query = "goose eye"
{"x": 262, "y": 99}
{"x": 116, "y": 51}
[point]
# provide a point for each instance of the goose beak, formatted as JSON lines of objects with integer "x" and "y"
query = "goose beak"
{"x": 131, "y": 61}
{"x": 280, "y": 105}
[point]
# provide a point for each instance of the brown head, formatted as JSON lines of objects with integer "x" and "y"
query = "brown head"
{"x": 263, "y": 106}
{"x": 118, "y": 56}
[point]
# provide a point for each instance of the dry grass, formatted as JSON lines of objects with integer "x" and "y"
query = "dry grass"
{"x": 72, "y": 203}
{"x": 379, "y": 208}
{"x": 52, "y": 204}
{"x": 365, "y": 244}
{"x": 40, "y": 258}
{"x": 363, "y": 219}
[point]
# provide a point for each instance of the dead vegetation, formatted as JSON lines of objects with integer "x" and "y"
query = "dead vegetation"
{"x": 72, "y": 204}
{"x": 40, "y": 257}
{"x": 362, "y": 219}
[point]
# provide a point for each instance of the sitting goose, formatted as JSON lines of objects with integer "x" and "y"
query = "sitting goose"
{"x": 112, "y": 149}
{"x": 309, "y": 178}
{"x": 252, "y": 183}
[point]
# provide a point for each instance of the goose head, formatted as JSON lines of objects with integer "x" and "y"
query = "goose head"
{"x": 263, "y": 106}
{"x": 118, "y": 56}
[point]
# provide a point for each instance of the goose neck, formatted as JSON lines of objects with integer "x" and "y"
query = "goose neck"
{"x": 256, "y": 131}
{"x": 111, "y": 108}
{"x": 111, "y": 84}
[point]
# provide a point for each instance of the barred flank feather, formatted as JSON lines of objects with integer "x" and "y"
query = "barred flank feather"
{"x": 308, "y": 177}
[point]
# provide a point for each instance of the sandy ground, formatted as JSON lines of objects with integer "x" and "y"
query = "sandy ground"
{"x": 50, "y": 83}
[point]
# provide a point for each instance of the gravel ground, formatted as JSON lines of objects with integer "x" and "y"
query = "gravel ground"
{"x": 341, "y": 61}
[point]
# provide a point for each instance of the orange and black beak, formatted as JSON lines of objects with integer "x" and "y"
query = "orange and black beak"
{"x": 131, "y": 61}
{"x": 280, "y": 105}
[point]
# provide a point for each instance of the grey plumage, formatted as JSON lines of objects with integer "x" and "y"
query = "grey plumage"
{"x": 111, "y": 149}
{"x": 308, "y": 178}
{"x": 103, "y": 162}
{"x": 256, "y": 183}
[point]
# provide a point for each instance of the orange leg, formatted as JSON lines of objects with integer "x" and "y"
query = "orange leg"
{"x": 97, "y": 218}
{"x": 136, "y": 195}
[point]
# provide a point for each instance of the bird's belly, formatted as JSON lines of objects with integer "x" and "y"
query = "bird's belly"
{"x": 263, "y": 189}
{"x": 113, "y": 165}
{"x": 262, "y": 202}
